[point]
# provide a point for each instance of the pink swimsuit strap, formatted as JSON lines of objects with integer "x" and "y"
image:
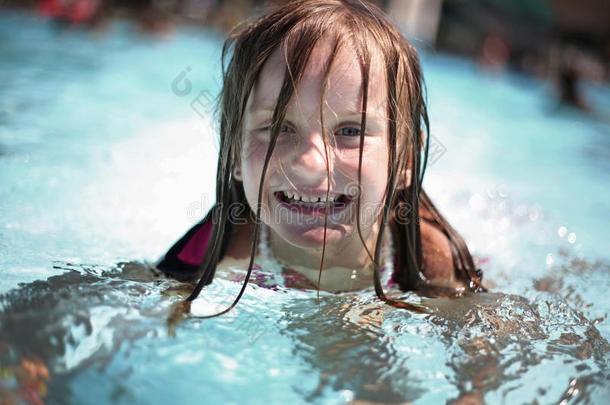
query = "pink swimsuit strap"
{"x": 195, "y": 248}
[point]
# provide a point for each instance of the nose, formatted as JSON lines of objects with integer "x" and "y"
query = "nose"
{"x": 309, "y": 160}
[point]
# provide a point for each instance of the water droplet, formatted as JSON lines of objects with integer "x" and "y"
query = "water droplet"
{"x": 521, "y": 210}
{"x": 476, "y": 202}
{"x": 534, "y": 213}
{"x": 549, "y": 259}
{"x": 347, "y": 395}
{"x": 503, "y": 190}
{"x": 562, "y": 231}
{"x": 572, "y": 237}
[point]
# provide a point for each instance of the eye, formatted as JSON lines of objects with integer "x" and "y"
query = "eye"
{"x": 349, "y": 131}
{"x": 286, "y": 128}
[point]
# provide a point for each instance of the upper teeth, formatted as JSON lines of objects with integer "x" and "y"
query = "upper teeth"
{"x": 312, "y": 199}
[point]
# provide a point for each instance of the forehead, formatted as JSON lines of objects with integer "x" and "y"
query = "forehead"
{"x": 344, "y": 88}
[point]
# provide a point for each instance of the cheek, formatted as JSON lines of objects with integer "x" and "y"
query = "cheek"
{"x": 374, "y": 168}
{"x": 375, "y": 178}
{"x": 255, "y": 151}
{"x": 252, "y": 160}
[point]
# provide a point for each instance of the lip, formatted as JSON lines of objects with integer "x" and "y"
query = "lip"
{"x": 320, "y": 211}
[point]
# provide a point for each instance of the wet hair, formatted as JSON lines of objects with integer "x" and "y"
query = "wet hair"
{"x": 296, "y": 28}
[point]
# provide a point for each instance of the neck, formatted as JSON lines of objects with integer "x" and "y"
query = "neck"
{"x": 346, "y": 267}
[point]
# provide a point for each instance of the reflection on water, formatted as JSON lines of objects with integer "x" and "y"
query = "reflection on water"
{"x": 106, "y": 327}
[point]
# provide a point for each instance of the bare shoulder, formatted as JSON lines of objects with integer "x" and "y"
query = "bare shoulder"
{"x": 241, "y": 241}
{"x": 436, "y": 251}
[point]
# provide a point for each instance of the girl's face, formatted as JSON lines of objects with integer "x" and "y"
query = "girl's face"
{"x": 294, "y": 192}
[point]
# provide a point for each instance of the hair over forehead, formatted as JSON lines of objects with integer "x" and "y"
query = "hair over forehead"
{"x": 296, "y": 28}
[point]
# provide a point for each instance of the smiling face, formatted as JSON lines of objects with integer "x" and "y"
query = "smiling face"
{"x": 295, "y": 188}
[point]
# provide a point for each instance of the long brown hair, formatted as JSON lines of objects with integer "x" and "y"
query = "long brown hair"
{"x": 297, "y": 27}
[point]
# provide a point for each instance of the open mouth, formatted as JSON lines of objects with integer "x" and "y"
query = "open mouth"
{"x": 313, "y": 205}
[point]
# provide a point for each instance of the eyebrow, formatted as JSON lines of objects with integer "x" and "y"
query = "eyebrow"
{"x": 261, "y": 109}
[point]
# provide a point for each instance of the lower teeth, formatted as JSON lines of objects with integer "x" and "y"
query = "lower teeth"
{"x": 312, "y": 204}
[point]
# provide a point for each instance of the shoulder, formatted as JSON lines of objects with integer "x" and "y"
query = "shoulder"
{"x": 183, "y": 259}
{"x": 436, "y": 250}
{"x": 240, "y": 246}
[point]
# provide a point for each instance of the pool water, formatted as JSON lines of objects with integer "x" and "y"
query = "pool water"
{"x": 107, "y": 155}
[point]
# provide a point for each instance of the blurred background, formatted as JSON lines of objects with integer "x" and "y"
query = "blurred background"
{"x": 565, "y": 40}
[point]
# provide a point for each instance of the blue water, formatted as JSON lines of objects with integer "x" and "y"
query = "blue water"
{"x": 104, "y": 163}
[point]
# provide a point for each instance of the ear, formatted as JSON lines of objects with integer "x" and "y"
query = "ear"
{"x": 404, "y": 176}
{"x": 237, "y": 174}
{"x": 405, "y": 173}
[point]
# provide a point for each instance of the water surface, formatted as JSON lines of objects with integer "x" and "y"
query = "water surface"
{"x": 104, "y": 163}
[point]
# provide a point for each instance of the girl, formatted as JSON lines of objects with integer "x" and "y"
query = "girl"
{"x": 323, "y": 146}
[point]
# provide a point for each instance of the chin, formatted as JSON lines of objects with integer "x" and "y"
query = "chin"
{"x": 309, "y": 237}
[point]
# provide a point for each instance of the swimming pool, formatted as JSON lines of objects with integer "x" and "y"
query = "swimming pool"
{"x": 106, "y": 159}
